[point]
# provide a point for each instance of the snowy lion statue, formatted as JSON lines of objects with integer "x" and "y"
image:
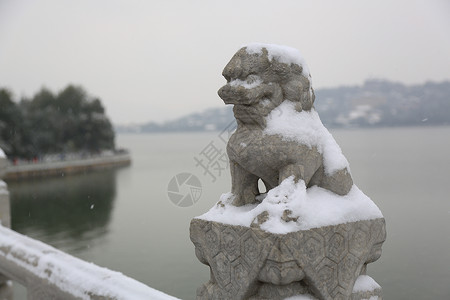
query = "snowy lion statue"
{"x": 279, "y": 133}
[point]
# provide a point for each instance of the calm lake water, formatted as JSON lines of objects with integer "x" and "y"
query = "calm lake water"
{"x": 125, "y": 221}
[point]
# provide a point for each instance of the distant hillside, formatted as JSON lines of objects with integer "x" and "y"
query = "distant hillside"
{"x": 377, "y": 103}
{"x": 384, "y": 103}
{"x": 212, "y": 119}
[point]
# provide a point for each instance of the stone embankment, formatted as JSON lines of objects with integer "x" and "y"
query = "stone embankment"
{"x": 66, "y": 167}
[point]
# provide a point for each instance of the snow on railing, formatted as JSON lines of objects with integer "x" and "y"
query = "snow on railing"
{"x": 48, "y": 273}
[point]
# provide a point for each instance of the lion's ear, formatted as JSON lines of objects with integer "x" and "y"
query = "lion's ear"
{"x": 292, "y": 90}
{"x": 308, "y": 100}
{"x": 280, "y": 69}
{"x": 297, "y": 69}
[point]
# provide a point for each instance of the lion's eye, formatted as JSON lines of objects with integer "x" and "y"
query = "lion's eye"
{"x": 250, "y": 82}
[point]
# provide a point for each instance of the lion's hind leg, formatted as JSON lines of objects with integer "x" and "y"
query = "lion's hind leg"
{"x": 340, "y": 182}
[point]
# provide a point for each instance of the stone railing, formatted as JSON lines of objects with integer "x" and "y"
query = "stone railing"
{"x": 48, "y": 273}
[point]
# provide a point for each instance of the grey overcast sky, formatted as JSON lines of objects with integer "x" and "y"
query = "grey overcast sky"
{"x": 157, "y": 60}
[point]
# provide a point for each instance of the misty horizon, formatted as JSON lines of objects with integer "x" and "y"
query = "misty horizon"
{"x": 151, "y": 60}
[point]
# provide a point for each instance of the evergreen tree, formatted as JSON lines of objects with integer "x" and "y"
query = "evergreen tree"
{"x": 11, "y": 126}
{"x": 69, "y": 121}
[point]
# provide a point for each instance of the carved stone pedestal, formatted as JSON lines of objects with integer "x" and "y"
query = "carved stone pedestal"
{"x": 325, "y": 263}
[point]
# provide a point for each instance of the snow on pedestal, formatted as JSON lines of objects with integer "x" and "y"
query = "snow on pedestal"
{"x": 313, "y": 233}
{"x": 290, "y": 207}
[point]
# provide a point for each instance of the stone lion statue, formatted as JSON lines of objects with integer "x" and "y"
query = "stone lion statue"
{"x": 260, "y": 78}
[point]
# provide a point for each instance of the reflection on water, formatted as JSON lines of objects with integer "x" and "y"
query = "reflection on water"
{"x": 67, "y": 212}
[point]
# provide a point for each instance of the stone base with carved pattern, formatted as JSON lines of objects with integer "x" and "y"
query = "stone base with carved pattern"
{"x": 324, "y": 263}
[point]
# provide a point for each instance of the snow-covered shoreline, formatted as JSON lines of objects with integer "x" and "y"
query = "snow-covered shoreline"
{"x": 62, "y": 168}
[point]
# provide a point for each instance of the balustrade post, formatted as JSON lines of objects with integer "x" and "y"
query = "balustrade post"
{"x": 6, "y": 291}
{"x": 313, "y": 233}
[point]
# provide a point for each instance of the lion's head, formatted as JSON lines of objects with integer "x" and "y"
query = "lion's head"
{"x": 260, "y": 77}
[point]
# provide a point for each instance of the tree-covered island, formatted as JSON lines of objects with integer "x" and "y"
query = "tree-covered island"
{"x": 70, "y": 121}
